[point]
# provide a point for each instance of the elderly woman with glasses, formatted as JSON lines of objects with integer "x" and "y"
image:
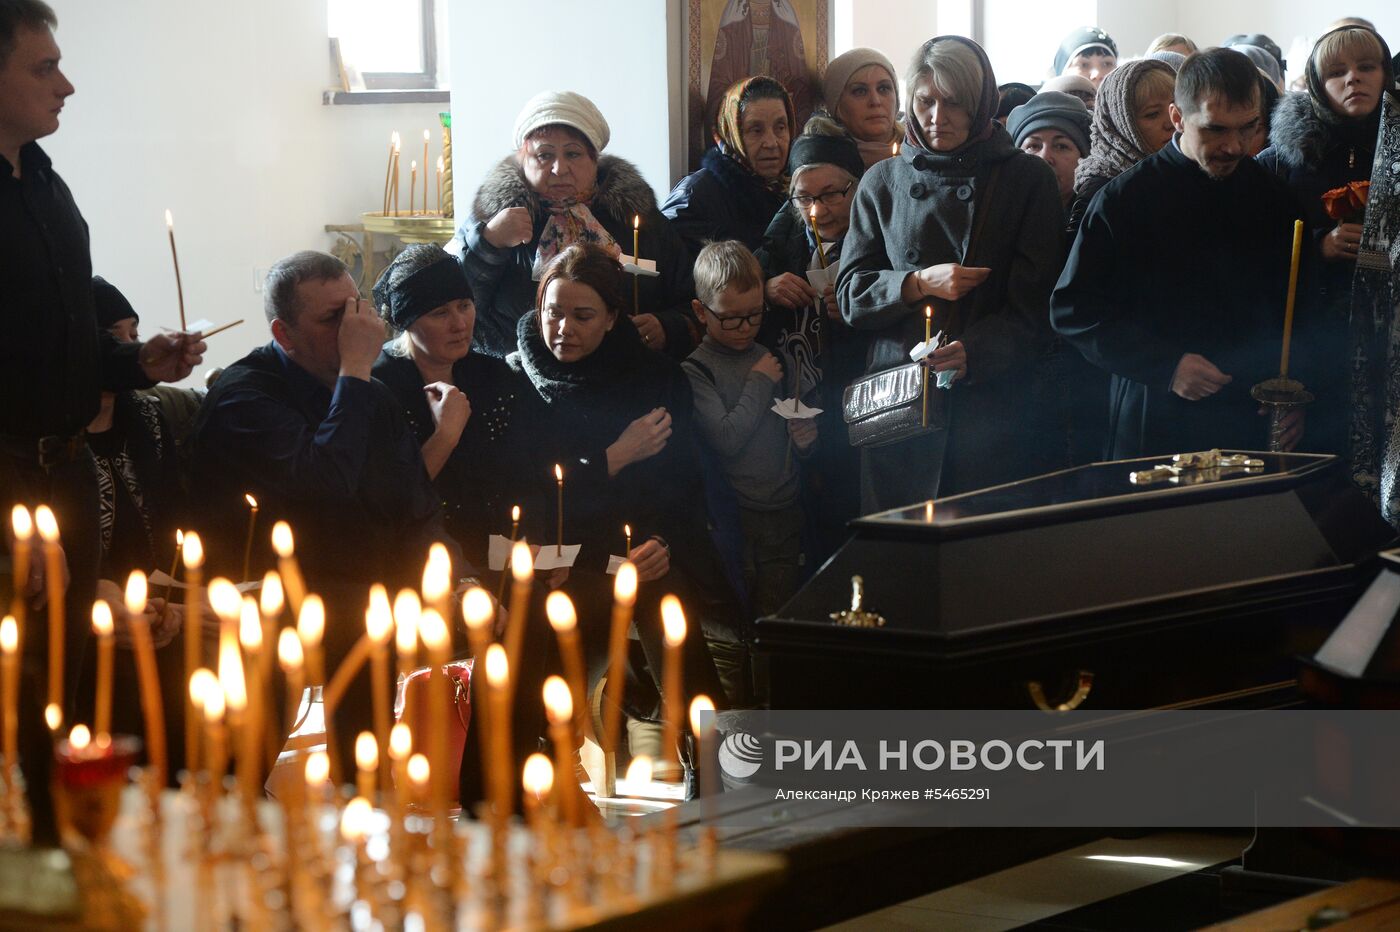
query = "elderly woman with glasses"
{"x": 966, "y": 225}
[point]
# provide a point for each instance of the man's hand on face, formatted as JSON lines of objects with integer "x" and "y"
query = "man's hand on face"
{"x": 360, "y": 338}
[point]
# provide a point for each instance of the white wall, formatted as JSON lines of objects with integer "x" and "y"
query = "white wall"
{"x": 614, "y": 52}
{"x": 213, "y": 111}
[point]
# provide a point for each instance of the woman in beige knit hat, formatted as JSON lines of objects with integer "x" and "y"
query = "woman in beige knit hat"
{"x": 861, "y": 93}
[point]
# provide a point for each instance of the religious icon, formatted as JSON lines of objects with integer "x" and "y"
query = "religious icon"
{"x": 733, "y": 39}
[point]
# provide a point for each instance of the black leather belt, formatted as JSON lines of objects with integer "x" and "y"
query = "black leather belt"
{"x": 47, "y": 452}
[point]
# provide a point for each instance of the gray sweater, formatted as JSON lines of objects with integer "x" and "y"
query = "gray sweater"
{"x": 733, "y": 411}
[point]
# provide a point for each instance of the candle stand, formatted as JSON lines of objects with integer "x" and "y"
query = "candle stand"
{"x": 1280, "y": 395}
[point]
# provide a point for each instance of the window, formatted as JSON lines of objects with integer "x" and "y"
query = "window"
{"x": 392, "y": 44}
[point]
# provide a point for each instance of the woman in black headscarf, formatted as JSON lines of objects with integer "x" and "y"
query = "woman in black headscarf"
{"x": 968, "y": 224}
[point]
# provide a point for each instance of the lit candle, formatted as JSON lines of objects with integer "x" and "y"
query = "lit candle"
{"x": 79, "y": 739}
{"x": 151, "y": 708}
{"x": 412, "y": 185}
{"x": 637, "y": 261}
{"x": 514, "y": 530}
{"x": 318, "y": 775}
{"x": 175, "y": 562}
{"x": 53, "y": 580}
{"x": 271, "y": 600}
{"x": 701, "y": 709}
{"x": 627, "y": 540}
{"x": 437, "y": 580}
{"x": 311, "y": 627}
{"x": 479, "y": 612}
{"x": 250, "y": 636}
{"x": 102, "y": 627}
{"x": 559, "y": 609}
{"x": 497, "y": 670}
{"x": 522, "y": 577}
{"x": 673, "y": 624}
{"x": 192, "y": 554}
{"x": 821, "y": 251}
{"x": 287, "y": 565}
{"x": 433, "y": 630}
{"x": 354, "y": 827}
{"x": 9, "y": 669}
{"x": 928, "y": 335}
{"x": 201, "y": 683}
{"x": 440, "y": 167}
{"x": 397, "y": 143}
{"x": 425, "y": 171}
{"x": 175, "y": 258}
{"x": 366, "y": 764}
{"x": 379, "y": 624}
{"x": 537, "y": 780}
{"x": 407, "y": 609}
{"x": 559, "y": 706}
{"x": 216, "y": 753}
{"x": 420, "y": 774}
{"x": 53, "y": 717}
{"x": 559, "y": 535}
{"x": 248, "y": 542}
{"x": 894, "y": 147}
{"x": 400, "y": 749}
{"x": 22, "y": 523}
{"x": 1292, "y": 294}
{"x": 292, "y": 662}
{"x": 235, "y": 692}
{"x": 389, "y": 169}
{"x": 624, "y": 600}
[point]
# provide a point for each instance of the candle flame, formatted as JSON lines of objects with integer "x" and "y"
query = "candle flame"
{"x": 538, "y": 775}
{"x": 318, "y": 768}
{"x": 22, "y": 522}
{"x": 437, "y": 574}
{"x": 814, "y": 212}
{"x": 282, "y": 539}
{"x": 9, "y": 635}
{"x": 355, "y": 820}
{"x": 477, "y": 608}
{"x": 192, "y": 551}
{"x": 639, "y": 771}
{"x": 625, "y": 586}
{"x": 47, "y": 523}
{"x": 928, "y": 312}
{"x": 289, "y": 653}
{"x": 426, "y": 137}
{"x": 202, "y": 683}
{"x": 400, "y": 742}
{"x": 558, "y": 474}
{"x": 699, "y": 706}
{"x": 442, "y": 166}
{"x": 636, "y": 223}
{"x": 79, "y": 738}
{"x": 169, "y": 220}
{"x": 627, "y": 530}
{"x": 407, "y": 609}
{"x": 515, "y": 513}
{"x": 673, "y": 620}
{"x": 894, "y": 148}
{"x": 225, "y": 598}
{"x": 101, "y": 619}
{"x": 522, "y": 565}
{"x": 235, "y": 688}
{"x": 497, "y": 667}
{"x": 419, "y": 770}
{"x": 214, "y": 704}
{"x": 53, "y": 717}
{"x": 252, "y": 502}
{"x": 379, "y": 617}
{"x": 558, "y": 700}
{"x": 250, "y": 633}
{"x": 179, "y": 539}
{"x": 398, "y": 143}
{"x": 366, "y": 751}
{"x": 136, "y": 592}
{"x": 272, "y": 597}
{"x": 413, "y": 165}
{"x": 559, "y": 609}
{"x": 311, "y": 623}
{"x": 433, "y": 630}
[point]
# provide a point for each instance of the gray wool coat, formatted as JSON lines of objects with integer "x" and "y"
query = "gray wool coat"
{"x": 916, "y": 211}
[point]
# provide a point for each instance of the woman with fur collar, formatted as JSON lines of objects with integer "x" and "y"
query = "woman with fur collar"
{"x": 556, "y": 190}
{"x": 1321, "y": 140}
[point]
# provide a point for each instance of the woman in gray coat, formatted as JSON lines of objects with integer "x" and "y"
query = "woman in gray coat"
{"x": 957, "y": 178}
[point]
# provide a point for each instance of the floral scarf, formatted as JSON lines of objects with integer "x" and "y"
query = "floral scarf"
{"x": 729, "y": 133}
{"x": 570, "y": 222}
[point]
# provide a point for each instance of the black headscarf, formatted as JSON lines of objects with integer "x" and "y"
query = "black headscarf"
{"x": 422, "y": 278}
{"x": 111, "y": 305}
{"x": 1360, "y": 132}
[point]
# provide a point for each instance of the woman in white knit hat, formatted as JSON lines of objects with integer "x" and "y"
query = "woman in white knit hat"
{"x": 861, "y": 93}
{"x": 555, "y": 190}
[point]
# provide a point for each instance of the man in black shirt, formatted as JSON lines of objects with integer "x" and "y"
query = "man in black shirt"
{"x": 54, "y": 361}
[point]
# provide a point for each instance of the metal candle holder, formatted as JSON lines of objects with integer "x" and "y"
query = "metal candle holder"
{"x": 1280, "y": 395}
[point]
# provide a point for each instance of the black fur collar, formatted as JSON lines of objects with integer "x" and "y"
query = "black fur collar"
{"x": 1303, "y": 139}
{"x": 622, "y": 191}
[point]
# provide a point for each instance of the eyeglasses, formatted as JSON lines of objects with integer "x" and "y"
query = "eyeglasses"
{"x": 737, "y": 322}
{"x": 828, "y": 198}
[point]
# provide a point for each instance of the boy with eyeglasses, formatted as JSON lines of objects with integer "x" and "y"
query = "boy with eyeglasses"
{"x": 735, "y": 382}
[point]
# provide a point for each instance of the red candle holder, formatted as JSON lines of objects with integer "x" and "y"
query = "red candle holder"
{"x": 88, "y": 784}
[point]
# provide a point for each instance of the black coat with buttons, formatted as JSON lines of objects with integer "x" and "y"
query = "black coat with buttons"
{"x": 918, "y": 210}
{"x": 481, "y": 479}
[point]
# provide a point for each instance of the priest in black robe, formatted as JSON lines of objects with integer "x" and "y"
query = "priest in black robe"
{"x": 1177, "y": 280}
